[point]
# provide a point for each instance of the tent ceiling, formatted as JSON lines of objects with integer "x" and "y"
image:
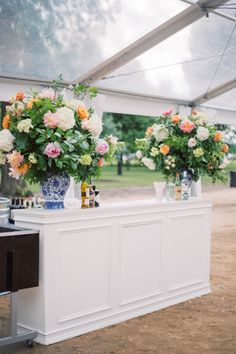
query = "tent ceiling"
{"x": 166, "y": 55}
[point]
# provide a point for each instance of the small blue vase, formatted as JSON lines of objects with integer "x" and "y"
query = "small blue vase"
{"x": 54, "y": 189}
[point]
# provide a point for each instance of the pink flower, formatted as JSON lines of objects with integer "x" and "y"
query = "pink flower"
{"x": 15, "y": 158}
{"x": 47, "y": 93}
{"x": 50, "y": 119}
{"x": 14, "y": 173}
{"x": 168, "y": 112}
{"x": 187, "y": 126}
{"x": 102, "y": 147}
{"x": 52, "y": 150}
{"x": 192, "y": 142}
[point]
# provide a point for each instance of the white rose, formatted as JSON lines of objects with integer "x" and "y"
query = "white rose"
{"x": 192, "y": 142}
{"x": 93, "y": 125}
{"x": 6, "y": 140}
{"x": 149, "y": 163}
{"x": 2, "y": 158}
{"x": 154, "y": 151}
{"x": 202, "y": 133}
{"x": 74, "y": 104}
{"x": 139, "y": 154}
{"x": 24, "y": 125}
{"x": 160, "y": 132}
{"x": 66, "y": 118}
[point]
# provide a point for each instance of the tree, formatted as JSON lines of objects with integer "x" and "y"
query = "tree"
{"x": 127, "y": 127}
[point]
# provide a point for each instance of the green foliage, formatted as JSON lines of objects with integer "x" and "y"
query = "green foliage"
{"x": 126, "y": 126}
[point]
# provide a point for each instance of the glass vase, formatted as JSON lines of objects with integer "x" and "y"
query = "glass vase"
{"x": 54, "y": 189}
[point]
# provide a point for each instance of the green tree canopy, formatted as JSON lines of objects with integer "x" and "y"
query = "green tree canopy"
{"x": 127, "y": 127}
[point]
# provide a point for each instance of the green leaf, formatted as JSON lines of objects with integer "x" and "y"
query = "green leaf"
{"x": 84, "y": 145}
{"x": 74, "y": 165}
{"x": 22, "y": 141}
{"x": 42, "y": 163}
{"x": 41, "y": 140}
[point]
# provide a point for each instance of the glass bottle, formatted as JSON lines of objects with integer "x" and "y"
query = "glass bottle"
{"x": 170, "y": 190}
{"x": 178, "y": 189}
{"x": 185, "y": 186}
{"x": 85, "y": 195}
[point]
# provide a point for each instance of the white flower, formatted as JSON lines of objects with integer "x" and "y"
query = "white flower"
{"x": 93, "y": 125}
{"x": 224, "y": 163}
{"x": 154, "y": 151}
{"x": 2, "y": 158}
{"x": 192, "y": 142}
{"x": 24, "y": 125}
{"x": 139, "y": 154}
{"x": 47, "y": 93}
{"x": 202, "y": 133}
{"x": 199, "y": 117}
{"x": 6, "y": 140}
{"x": 74, "y": 104}
{"x": 160, "y": 132}
{"x": 149, "y": 163}
{"x": 112, "y": 139}
{"x": 66, "y": 118}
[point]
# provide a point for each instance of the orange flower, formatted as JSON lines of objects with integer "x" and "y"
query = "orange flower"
{"x": 225, "y": 148}
{"x": 100, "y": 162}
{"x": 218, "y": 136}
{"x": 20, "y": 96}
{"x": 82, "y": 113}
{"x": 31, "y": 102}
{"x": 149, "y": 131}
{"x": 175, "y": 119}
{"x": 6, "y": 122}
{"x": 164, "y": 149}
{"x": 24, "y": 168}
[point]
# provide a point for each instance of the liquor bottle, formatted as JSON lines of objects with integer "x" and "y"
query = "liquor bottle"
{"x": 96, "y": 196}
{"x": 85, "y": 195}
{"x": 185, "y": 186}
{"x": 178, "y": 189}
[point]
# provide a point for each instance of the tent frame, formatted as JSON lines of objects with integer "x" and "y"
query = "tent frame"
{"x": 188, "y": 16}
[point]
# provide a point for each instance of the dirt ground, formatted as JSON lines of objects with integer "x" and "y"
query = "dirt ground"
{"x": 203, "y": 325}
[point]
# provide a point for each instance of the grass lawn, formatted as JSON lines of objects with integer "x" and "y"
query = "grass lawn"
{"x": 139, "y": 176}
{"x": 136, "y": 176}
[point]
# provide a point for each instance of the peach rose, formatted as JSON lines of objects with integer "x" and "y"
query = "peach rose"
{"x": 149, "y": 131}
{"x": 175, "y": 119}
{"x": 20, "y": 96}
{"x": 187, "y": 126}
{"x": 225, "y": 148}
{"x": 6, "y": 122}
{"x": 218, "y": 136}
{"x": 82, "y": 113}
{"x": 164, "y": 149}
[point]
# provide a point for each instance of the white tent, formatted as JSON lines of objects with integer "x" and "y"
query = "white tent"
{"x": 143, "y": 55}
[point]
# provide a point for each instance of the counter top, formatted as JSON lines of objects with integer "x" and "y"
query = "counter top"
{"x": 45, "y": 216}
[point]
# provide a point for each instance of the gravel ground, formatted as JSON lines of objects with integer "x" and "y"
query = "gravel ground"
{"x": 203, "y": 325}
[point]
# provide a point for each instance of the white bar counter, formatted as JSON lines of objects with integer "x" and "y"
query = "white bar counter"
{"x": 106, "y": 265}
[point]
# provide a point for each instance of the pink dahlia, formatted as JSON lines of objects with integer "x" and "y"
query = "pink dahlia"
{"x": 51, "y": 120}
{"x": 187, "y": 126}
{"x": 47, "y": 93}
{"x": 15, "y": 158}
{"x": 102, "y": 147}
{"x": 52, "y": 150}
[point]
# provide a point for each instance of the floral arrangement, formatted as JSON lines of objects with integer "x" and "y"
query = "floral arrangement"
{"x": 175, "y": 143}
{"x": 46, "y": 133}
